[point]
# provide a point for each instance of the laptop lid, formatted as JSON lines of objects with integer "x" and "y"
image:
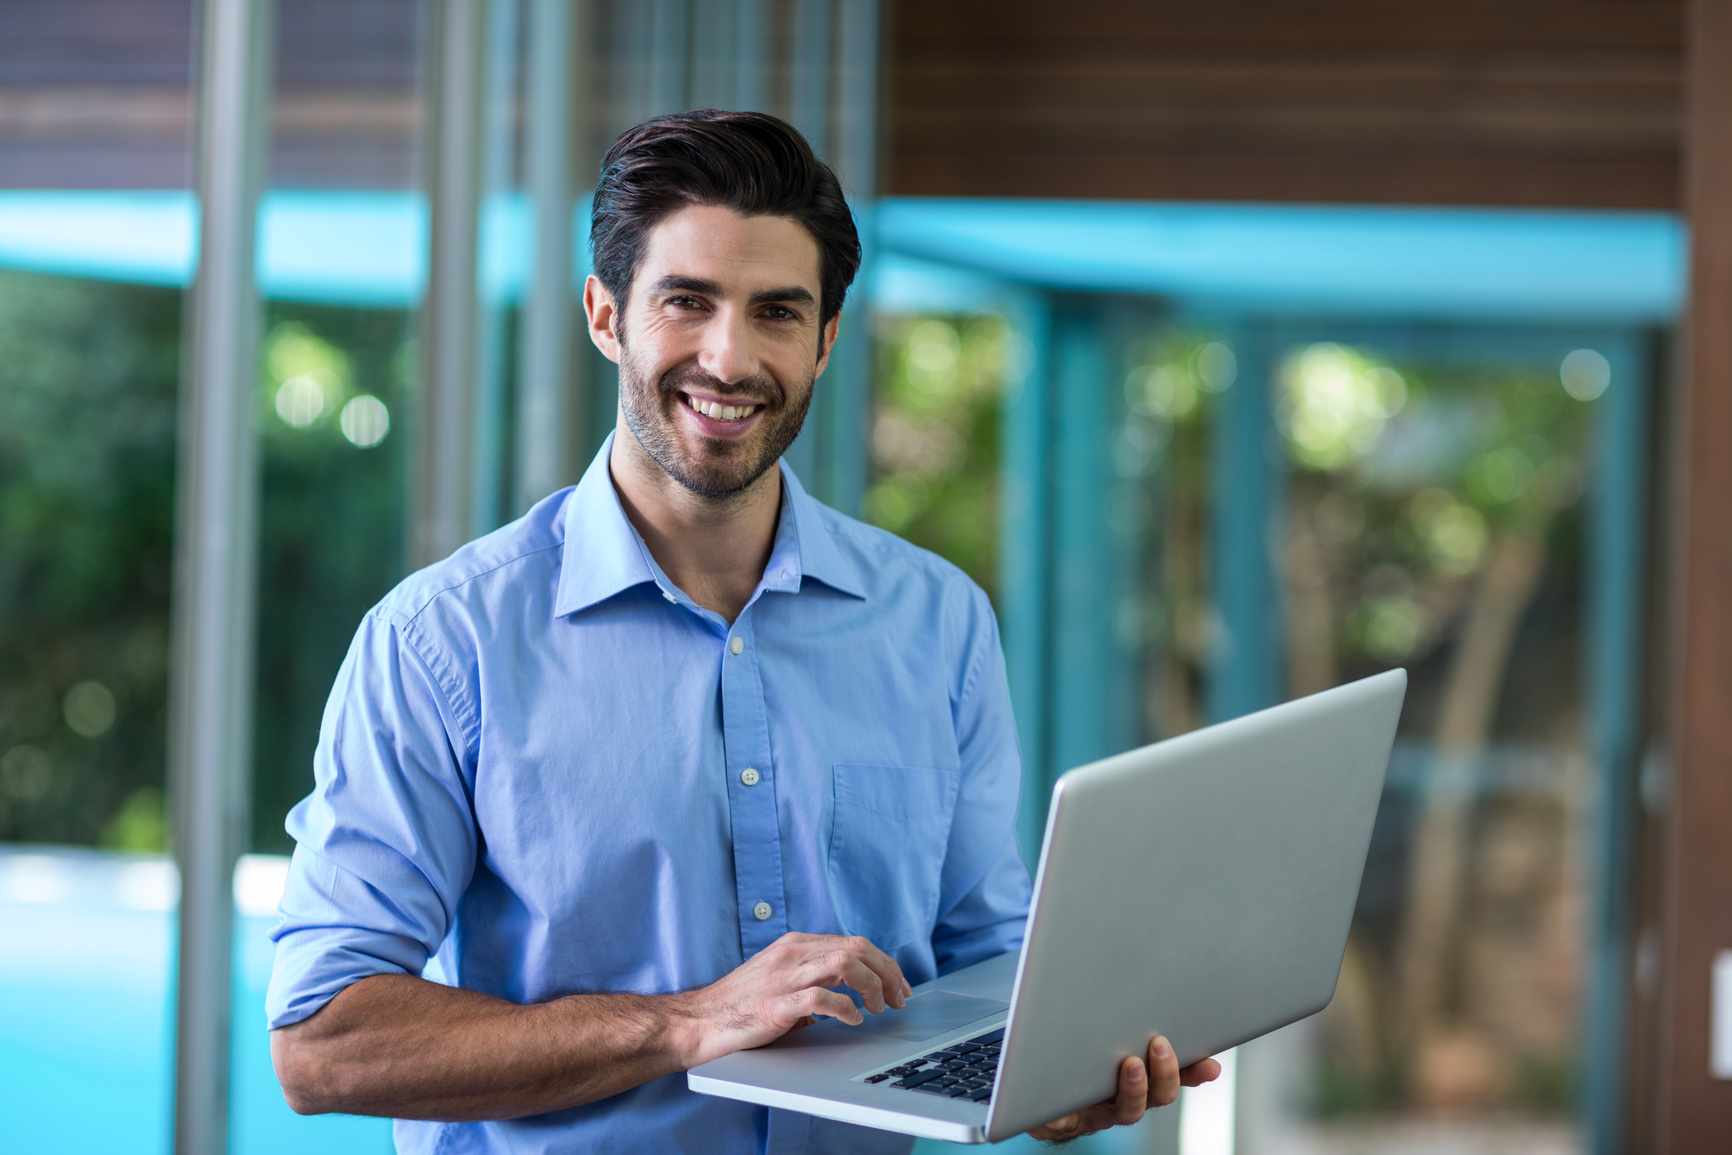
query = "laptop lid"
{"x": 1200, "y": 888}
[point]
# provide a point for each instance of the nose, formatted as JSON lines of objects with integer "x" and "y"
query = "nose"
{"x": 728, "y": 353}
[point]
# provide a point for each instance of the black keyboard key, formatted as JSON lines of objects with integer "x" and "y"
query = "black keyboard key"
{"x": 961, "y": 1092}
{"x": 989, "y": 1037}
{"x": 963, "y": 1049}
{"x": 900, "y": 1071}
{"x": 916, "y": 1080}
{"x": 931, "y": 1090}
{"x": 877, "y": 1078}
{"x": 981, "y": 1095}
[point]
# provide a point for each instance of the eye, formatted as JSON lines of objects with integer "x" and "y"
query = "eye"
{"x": 781, "y": 313}
{"x": 685, "y": 301}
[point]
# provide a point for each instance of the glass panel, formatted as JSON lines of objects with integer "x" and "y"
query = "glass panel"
{"x": 1434, "y": 520}
{"x": 935, "y": 428}
{"x": 1172, "y": 387}
{"x": 337, "y": 361}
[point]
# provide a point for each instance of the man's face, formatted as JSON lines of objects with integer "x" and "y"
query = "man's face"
{"x": 718, "y": 346}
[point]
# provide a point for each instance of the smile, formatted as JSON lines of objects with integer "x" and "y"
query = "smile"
{"x": 716, "y": 411}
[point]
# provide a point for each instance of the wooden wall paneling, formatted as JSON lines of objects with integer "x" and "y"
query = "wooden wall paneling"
{"x": 1431, "y": 101}
{"x": 1694, "y": 1111}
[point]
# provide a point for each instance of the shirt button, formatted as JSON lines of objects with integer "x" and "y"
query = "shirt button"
{"x": 749, "y": 776}
{"x": 736, "y": 645}
{"x": 761, "y": 911}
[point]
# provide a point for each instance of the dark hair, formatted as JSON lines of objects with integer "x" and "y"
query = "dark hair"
{"x": 750, "y": 162}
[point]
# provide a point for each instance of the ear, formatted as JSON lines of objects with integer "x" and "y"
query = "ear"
{"x": 603, "y": 315}
{"x": 826, "y": 342}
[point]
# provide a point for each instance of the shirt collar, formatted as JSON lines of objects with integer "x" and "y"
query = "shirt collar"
{"x": 604, "y": 555}
{"x": 815, "y": 544}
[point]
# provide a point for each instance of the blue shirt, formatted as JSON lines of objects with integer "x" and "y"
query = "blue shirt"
{"x": 545, "y": 770}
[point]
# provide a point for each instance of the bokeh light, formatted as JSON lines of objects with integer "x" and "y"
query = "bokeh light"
{"x": 364, "y": 420}
{"x": 1585, "y": 374}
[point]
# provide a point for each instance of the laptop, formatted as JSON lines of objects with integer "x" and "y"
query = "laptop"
{"x": 1199, "y": 888}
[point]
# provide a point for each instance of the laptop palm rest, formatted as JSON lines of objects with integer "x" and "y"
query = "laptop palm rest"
{"x": 928, "y": 1014}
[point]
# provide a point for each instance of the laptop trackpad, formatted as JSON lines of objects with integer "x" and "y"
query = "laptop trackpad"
{"x": 929, "y": 1013}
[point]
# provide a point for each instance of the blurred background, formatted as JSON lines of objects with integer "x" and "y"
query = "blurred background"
{"x": 1236, "y": 350}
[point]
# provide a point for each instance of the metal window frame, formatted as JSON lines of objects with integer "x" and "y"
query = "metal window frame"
{"x": 216, "y": 558}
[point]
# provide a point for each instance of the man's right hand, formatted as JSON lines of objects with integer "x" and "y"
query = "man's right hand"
{"x": 785, "y": 986}
{"x": 401, "y": 1046}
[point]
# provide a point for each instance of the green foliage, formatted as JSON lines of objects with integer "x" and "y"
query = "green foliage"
{"x": 140, "y": 825}
{"x": 88, "y": 379}
{"x": 331, "y": 525}
{"x": 1407, "y": 475}
{"x": 935, "y": 436}
{"x": 88, "y": 383}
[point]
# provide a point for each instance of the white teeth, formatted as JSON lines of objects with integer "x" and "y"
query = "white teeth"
{"x": 719, "y": 412}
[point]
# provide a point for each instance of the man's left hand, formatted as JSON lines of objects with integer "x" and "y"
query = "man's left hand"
{"x": 1142, "y": 1085}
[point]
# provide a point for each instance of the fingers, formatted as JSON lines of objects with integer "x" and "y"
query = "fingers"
{"x": 1163, "y": 1072}
{"x": 814, "y": 1001}
{"x": 1200, "y": 1072}
{"x": 1133, "y": 1097}
{"x": 1058, "y": 1129}
{"x": 894, "y": 986}
{"x": 1126, "y": 1107}
{"x": 1141, "y": 1086}
{"x": 839, "y": 967}
{"x": 829, "y": 960}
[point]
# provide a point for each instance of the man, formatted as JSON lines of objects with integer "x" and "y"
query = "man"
{"x": 654, "y": 771}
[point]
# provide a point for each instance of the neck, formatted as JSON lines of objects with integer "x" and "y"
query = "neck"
{"x": 714, "y": 549}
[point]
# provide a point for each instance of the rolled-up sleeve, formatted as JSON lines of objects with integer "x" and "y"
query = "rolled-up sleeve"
{"x": 386, "y": 842}
{"x": 984, "y": 900}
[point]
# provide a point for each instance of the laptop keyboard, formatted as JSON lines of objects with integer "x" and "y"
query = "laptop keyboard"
{"x": 962, "y": 1071}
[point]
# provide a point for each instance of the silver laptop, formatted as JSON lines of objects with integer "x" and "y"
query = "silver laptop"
{"x": 1199, "y": 888}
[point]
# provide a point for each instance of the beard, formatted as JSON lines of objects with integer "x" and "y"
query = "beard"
{"x": 710, "y": 467}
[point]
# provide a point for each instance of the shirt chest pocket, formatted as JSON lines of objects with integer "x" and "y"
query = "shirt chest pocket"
{"x": 887, "y": 846}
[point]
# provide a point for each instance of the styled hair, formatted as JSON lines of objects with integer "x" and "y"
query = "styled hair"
{"x": 749, "y": 162}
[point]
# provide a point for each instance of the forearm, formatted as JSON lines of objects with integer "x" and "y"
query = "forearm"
{"x": 404, "y": 1047}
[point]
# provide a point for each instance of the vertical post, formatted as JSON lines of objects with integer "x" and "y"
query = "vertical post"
{"x": 810, "y": 110}
{"x": 1616, "y": 563}
{"x": 849, "y": 400}
{"x": 1691, "y": 1105}
{"x": 499, "y": 238}
{"x": 1024, "y": 552}
{"x": 546, "y": 407}
{"x": 670, "y": 55}
{"x": 1082, "y": 602}
{"x": 1244, "y": 483}
{"x": 216, "y": 557}
{"x": 751, "y": 56}
{"x": 449, "y": 309}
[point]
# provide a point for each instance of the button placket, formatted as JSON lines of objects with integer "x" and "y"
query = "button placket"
{"x": 752, "y": 806}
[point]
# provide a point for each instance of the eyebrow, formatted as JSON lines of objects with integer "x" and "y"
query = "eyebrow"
{"x": 790, "y": 295}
